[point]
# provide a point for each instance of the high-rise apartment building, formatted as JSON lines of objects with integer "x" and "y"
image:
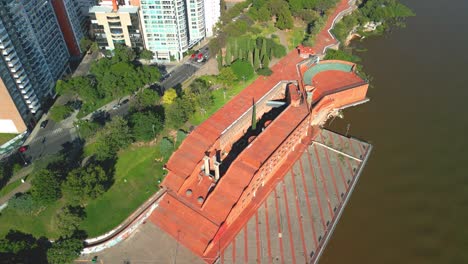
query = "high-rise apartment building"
{"x": 33, "y": 56}
{"x": 212, "y": 14}
{"x": 73, "y": 19}
{"x": 113, "y": 24}
{"x": 165, "y": 28}
{"x": 171, "y": 27}
{"x": 196, "y": 20}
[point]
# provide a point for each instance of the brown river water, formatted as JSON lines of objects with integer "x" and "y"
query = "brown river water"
{"x": 411, "y": 203}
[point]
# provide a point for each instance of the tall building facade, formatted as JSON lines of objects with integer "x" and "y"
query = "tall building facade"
{"x": 165, "y": 29}
{"x": 33, "y": 56}
{"x": 73, "y": 19}
{"x": 171, "y": 27}
{"x": 196, "y": 20}
{"x": 212, "y": 15}
{"x": 113, "y": 24}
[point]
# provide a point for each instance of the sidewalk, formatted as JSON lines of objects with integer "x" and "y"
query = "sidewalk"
{"x": 24, "y": 187}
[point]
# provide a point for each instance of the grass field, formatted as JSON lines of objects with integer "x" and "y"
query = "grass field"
{"x": 10, "y": 187}
{"x": 5, "y": 137}
{"x": 37, "y": 224}
{"x": 136, "y": 179}
{"x": 220, "y": 99}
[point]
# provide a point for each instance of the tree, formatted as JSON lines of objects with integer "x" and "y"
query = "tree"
{"x": 254, "y": 116}
{"x": 45, "y": 186}
{"x": 115, "y": 135}
{"x": 65, "y": 250}
{"x": 200, "y": 95}
{"x": 219, "y": 59}
{"x": 23, "y": 203}
{"x": 166, "y": 147}
{"x": 146, "y": 54}
{"x": 60, "y": 112}
{"x": 123, "y": 53}
{"x": 227, "y": 76}
{"x": 243, "y": 70}
{"x": 266, "y": 62}
{"x": 85, "y": 183}
{"x": 84, "y": 44}
{"x": 284, "y": 19}
{"x": 19, "y": 247}
{"x": 228, "y": 56}
{"x": 178, "y": 112}
{"x": 145, "y": 99}
{"x": 145, "y": 125}
{"x": 256, "y": 59}
{"x": 68, "y": 219}
{"x": 169, "y": 96}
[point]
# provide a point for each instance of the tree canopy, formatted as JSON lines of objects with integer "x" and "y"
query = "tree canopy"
{"x": 169, "y": 96}
{"x": 65, "y": 250}
{"x": 115, "y": 135}
{"x": 45, "y": 186}
{"x": 146, "y": 125}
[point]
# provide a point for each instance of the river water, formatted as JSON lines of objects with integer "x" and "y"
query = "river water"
{"x": 411, "y": 203}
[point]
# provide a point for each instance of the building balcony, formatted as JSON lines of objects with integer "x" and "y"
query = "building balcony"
{"x": 13, "y": 62}
{"x": 24, "y": 85}
{"x": 10, "y": 57}
{"x": 33, "y": 104}
{"x": 5, "y": 43}
{"x": 7, "y": 50}
{"x": 18, "y": 73}
{"x": 26, "y": 90}
{"x": 22, "y": 79}
{"x": 30, "y": 95}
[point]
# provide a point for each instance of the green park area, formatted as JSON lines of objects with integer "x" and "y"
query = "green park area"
{"x": 5, "y": 137}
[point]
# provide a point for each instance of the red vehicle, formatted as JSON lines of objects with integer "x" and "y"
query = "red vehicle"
{"x": 23, "y": 148}
{"x": 200, "y": 57}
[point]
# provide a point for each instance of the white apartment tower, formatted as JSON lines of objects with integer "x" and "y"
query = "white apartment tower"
{"x": 212, "y": 14}
{"x": 171, "y": 27}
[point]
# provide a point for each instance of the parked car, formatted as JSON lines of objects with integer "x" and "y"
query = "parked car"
{"x": 44, "y": 123}
{"x": 23, "y": 148}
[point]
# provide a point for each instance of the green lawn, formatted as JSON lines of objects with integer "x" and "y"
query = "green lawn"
{"x": 39, "y": 224}
{"x": 5, "y": 137}
{"x": 10, "y": 187}
{"x": 220, "y": 100}
{"x": 136, "y": 179}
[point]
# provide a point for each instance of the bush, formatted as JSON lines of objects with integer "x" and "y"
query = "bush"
{"x": 45, "y": 186}
{"x": 264, "y": 71}
{"x": 181, "y": 135}
{"x": 23, "y": 203}
{"x": 145, "y": 125}
{"x": 65, "y": 250}
{"x": 166, "y": 147}
{"x": 60, "y": 112}
{"x": 243, "y": 70}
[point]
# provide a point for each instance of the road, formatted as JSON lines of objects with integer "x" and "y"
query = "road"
{"x": 53, "y": 138}
{"x": 185, "y": 71}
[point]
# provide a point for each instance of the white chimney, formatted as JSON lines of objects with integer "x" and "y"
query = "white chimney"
{"x": 216, "y": 167}
{"x": 206, "y": 159}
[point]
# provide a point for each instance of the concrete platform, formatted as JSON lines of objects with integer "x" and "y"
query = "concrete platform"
{"x": 297, "y": 218}
{"x": 148, "y": 244}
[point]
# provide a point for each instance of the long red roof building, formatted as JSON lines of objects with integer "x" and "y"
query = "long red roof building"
{"x": 229, "y": 166}
{"x": 224, "y": 163}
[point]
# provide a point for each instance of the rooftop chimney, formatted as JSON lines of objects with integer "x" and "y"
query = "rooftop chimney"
{"x": 216, "y": 168}
{"x": 115, "y": 7}
{"x": 206, "y": 159}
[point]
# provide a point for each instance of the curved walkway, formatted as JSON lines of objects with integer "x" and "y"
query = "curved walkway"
{"x": 325, "y": 40}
